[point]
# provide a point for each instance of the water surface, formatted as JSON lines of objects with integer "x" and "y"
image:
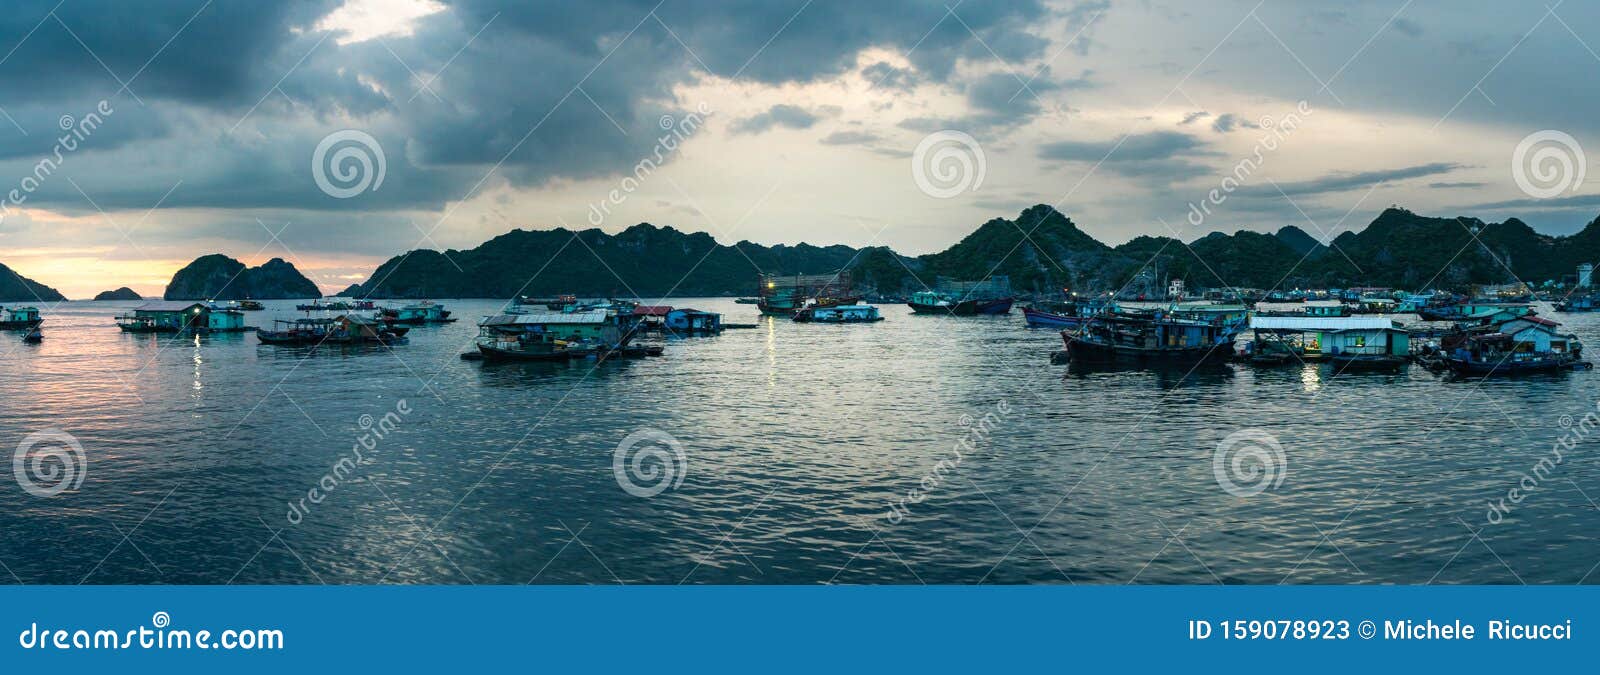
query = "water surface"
{"x": 798, "y": 439}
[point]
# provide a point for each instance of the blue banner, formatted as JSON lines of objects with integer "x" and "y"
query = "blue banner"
{"x": 796, "y": 629}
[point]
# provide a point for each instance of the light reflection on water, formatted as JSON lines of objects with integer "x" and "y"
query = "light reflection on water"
{"x": 798, "y": 439}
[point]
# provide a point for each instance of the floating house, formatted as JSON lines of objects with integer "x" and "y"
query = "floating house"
{"x": 1318, "y": 337}
{"x": 182, "y": 315}
{"x": 689, "y": 320}
{"x": 1326, "y": 308}
{"x": 19, "y": 317}
{"x": 551, "y": 336}
{"x": 1536, "y": 334}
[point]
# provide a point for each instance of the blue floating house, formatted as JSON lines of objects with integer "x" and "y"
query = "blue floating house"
{"x": 182, "y": 315}
{"x": 690, "y": 320}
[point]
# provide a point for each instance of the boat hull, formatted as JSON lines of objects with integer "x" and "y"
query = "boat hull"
{"x": 1039, "y": 319}
{"x": 1091, "y": 351}
{"x": 497, "y": 354}
{"x": 1470, "y": 367}
{"x": 20, "y": 325}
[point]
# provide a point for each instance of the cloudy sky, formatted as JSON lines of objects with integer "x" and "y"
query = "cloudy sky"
{"x": 255, "y": 128}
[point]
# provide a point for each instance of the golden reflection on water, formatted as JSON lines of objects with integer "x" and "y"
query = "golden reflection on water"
{"x": 772, "y": 351}
{"x": 1310, "y": 377}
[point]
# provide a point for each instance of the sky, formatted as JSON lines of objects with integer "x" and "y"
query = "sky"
{"x": 335, "y": 134}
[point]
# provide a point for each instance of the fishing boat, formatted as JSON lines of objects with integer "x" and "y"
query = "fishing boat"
{"x": 554, "y": 304}
{"x": 320, "y": 306}
{"x": 34, "y": 337}
{"x": 1519, "y": 344}
{"x": 747, "y": 301}
{"x": 296, "y": 332}
{"x": 1037, "y": 318}
{"x": 1154, "y": 337}
{"x": 1587, "y": 303}
{"x": 935, "y": 302}
{"x": 838, "y": 314}
{"x": 17, "y": 318}
{"x": 251, "y": 306}
{"x": 423, "y": 312}
{"x": 781, "y": 295}
{"x": 349, "y": 329}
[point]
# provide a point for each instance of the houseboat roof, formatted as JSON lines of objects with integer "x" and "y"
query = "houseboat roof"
{"x": 652, "y": 310}
{"x": 1327, "y": 323}
{"x": 169, "y": 306}
{"x": 591, "y": 316}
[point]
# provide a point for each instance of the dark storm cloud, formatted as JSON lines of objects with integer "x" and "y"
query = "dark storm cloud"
{"x": 237, "y": 101}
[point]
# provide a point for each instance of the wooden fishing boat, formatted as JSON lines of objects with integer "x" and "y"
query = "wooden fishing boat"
{"x": 344, "y": 330}
{"x": 1042, "y": 319}
{"x": 34, "y": 337}
{"x": 935, "y": 302}
{"x": 251, "y": 306}
{"x": 1154, "y": 337}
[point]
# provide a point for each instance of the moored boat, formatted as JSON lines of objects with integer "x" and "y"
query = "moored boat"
{"x": 1154, "y": 337}
{"x": 19, "y": 318}
{"x": 838, "y": 314}
{"x": 559, "y": 336}
{"x": 349, "y": 329}
{"x": 423, "y": 312}
{"x": 34, "y": 336}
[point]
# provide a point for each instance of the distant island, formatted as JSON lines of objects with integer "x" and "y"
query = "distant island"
{"x": 123, "y": 293}
{"x": 1041, "y": 250}
{"x": 218, "y": 277}
{"x": 17, "y": 288}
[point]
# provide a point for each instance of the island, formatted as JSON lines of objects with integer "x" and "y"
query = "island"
{"x": 218, "y": 277}
{"x": 123, "y": 293}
